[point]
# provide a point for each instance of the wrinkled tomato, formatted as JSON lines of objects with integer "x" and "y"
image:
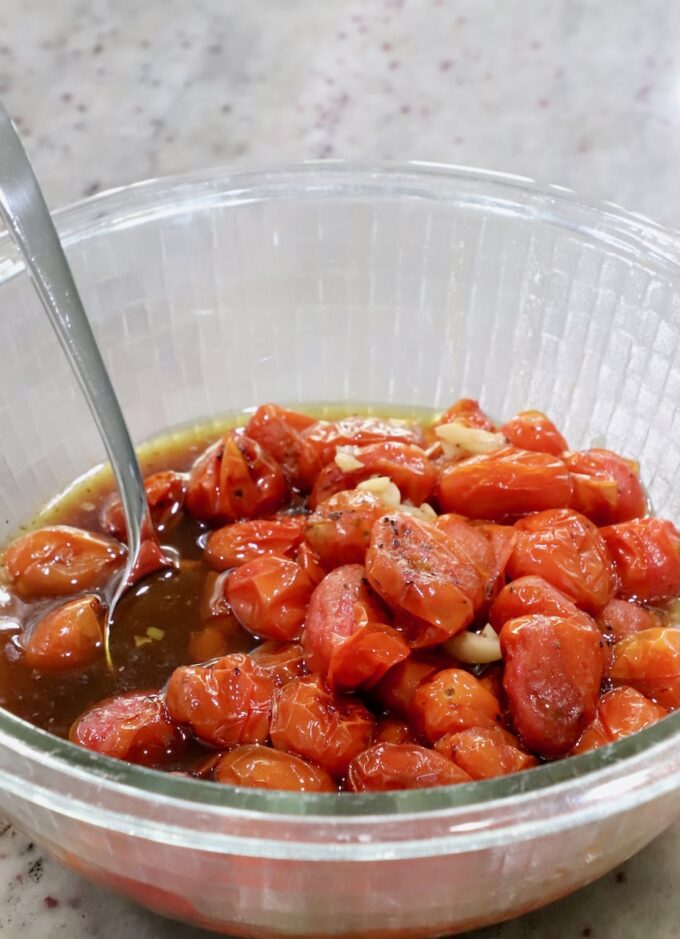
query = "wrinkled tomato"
{"x": 165, "y": 498}
{"x": 264, "y": 768}
{"x": 269, "y": 597}
{"x": 605, "y": 486}
{"x": 388, "y": 766}
{"x": 392, "y": 730}
{"x": 68, "y": 637}
{"x": 622, "y": 618}
{"x": 649, "y": 661}
{"x": 527, "y": 595}
{"x": 485, "y": 752}
{"x": 469, "y": 412}
{"x": 244, "y": 541}
{"x": 282, "y": 661}
{"x": 620, "y": 712}
{"x": 310, "y": 563}
{"x": 488, "y": 546}
{"x": 278, "y": 430}
{"x": 396, "y": 689}
{"x": 452, "y": 700}
{"x": 339, "y": 530}
{"x": 532, "y": 430}
{"x": 646, "y": 554}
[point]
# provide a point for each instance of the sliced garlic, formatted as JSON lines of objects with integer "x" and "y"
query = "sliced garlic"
{"x": 346, "y": 461}
{"x": 475, "y": 648}
{"x": 469, "y": 439}
{"x": 384, "y": 489}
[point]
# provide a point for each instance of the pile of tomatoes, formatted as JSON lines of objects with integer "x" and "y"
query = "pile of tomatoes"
{"x": 433, "y": 604}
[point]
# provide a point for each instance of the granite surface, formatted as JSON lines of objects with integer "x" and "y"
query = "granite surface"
{"x": 577, "y": 92}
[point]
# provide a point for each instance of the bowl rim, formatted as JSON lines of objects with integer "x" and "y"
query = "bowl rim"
{"x": 134, "y": 204}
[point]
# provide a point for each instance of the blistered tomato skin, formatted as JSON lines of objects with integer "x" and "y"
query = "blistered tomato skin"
{"x": 387, "y": 766}
{"x": 269, "y": 597}
{"x": 620, "y": 712}
{"x": 504, "y": 485}
{"x": 67, "y": 638}
{"x": 646, "y": 554}
{"x": 532, "y": 430}
{"x": 225, "y": 703}
{"x": 469, "y": 412}
{"x": 485, "y": 752}
{"x": 59, "y": 561}
{"x": 452, "y": 700}
{"x": 135, "y": 727}
{"x": 165, "y": 498}
{"x": 566, "y": 549}
{"x": 327, "y": 729}
{"x": 241, "y": 542}
{"x": 396, "y": 689}
{"x": 530, "y": 594}
{"x": 263, "y": 768}
{"x": 649, "y": 661}
{"x": 392, "y": 730}
{"x": 622, "y": 618}
{"x": 282, "y": 661}
{"x": 278, "y": 430}
{"x": 339, "y": 531}
{"x": 606, "y": 486}
{"x": 553, "y": 672}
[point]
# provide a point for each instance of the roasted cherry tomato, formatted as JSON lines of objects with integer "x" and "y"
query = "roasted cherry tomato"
{"x": 278, "y": 430}
{"x": 488, "y": 546}
{"x": 620, "y": 712}
{"x": 469, "y": 412}
{"x": 69, "y": 637}
{"x": 392, "y": 730}
{"x": 485, "y": 752}
{"x": 220, "y": 633}
{"x": 346, "y": 638}
{"x": 646, "y": 553}
{"x": 135, "y": 727}
{"x": 310, "y": 563}
{"x": 327, "y": 729}
{"x": 396, "y": 689}
{"x": 320, "y": 440}
{"x": 504, "y": 484}
{"x": 529, "y": 595}
{"x": 405, "y": 463}
{"x": 58, "y": 561}
{"x": 282, "y": 661}
{"x": 244, "y": 541}
{"x": 605, "y": 487}
{"x": 165, "y": 497}
{"x": 566, "y": 549}
{"x": 532, "y": 430}
{"x": 226, "y": 703}
{"x": 622, "y": 618}
{"x": 264, "y": 768}
{"x": 649, "y": 661}
{"x": 421, "y": 571}
{"x": 502, "y": 540}
{"x": 339, "y": 530}
{"x": 553, "y": 671}
{"x": 269, "y": 597}
{"x": 234, "y": 479}
{"x": 452, "y": 700}
{"x": 388, "y": 766}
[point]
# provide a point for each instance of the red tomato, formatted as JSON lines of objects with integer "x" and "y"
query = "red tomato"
{"x": 165, "y": 498}
{"x": 345, "y": 638}
{"x": 388, "y": 766}
{"x": 470, "y": 539}
{"x": 502, "y": 540}
{"x": 151, "y": 558}
{"x": 485, "y": 752}
{"x": 58, "y": 561}
{"x": 319, "y": 441}
{"x": 327, "y": 729}
{"x": 468, "y": 412}
{"x": 553, "y": 670}
{"x": 340, "y": 528}
{"x": 504, "y": 484}
{"x": 264, "y": 768}
{"x": 622, "y": 618}
{"x": 452, "y": 700}
{"x": 135, "y": 727}
{"x": 405, "y": 463}
{"x": 234, "y": 479}
{"x": 422, "y": 572}
{"x": 650, "y": 662}
{"x": 568, "y": 551}
{"x": 69, "y": 637}
{"x": 396, "y": 689}
{"x": 620, "y": 712}
{"x": 278, "y": 430}
{"x": 244, "y": 541}
{"x": 529, "y": 595}
{"x": 269, "y": 597}
{"x": 282, "y": 661}
{"x": 391, "y": 730}
{"x": 532, "y": 430}
{"x": 226, "y": 703}
{"x": 219, "y": 637}
{"x": 646, "y": 553}
{"x": 310, "y": 563}
{"x": 605, "y": 487}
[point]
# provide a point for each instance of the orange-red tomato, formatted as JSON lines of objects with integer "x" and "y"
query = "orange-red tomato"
{"x": 325, "y": 728}
{"x": 646, "y": 553}
{"x": 310, "y": 563}
{"x": 487, "y": 545}
{"x": 234, "y": 479}
{"x": 532, "y": 430}
{"x": 387, "y": 766}
{"x": 485, "y": 752}
{"x": 649, "y": 661}
{"x": 553, "y": 671}
{"x": 395, "y": 690}
{"x": 278, "y": 430}
{"x": 319, "y": 441}
{"x": 622, "y": 618}
{"x": 452, "y": 700}
{"x": 527, "y": 595}
{"x": 605, "y": 486}
{"x": 620, "y": 712}
{"x": 502, "y": 540}
{"x": 468, "y": 411}
{"x": 568, "y": 551}
{"x": 339, "y": 530}
{"x": 405, "y": 463}
{"x": 151, "y": 558}
{"x": 282, "y": 661}
{"x": 219, "y": 637}
{"x": 392, "y": 730}
{"x": 69, "y": 637}
{"x": 346, "y": 638}
{"x": 504, "y": 484}
{"x": 244, "y": 541}
{"x": 58, "y": 561}
{"x": 264, "y": 768}
{"x": 135, "y": 727}
{"x": 420, "y": 571}
{"x": 226, "y": 703}
{"x": 165, "y": 498}
{"x": 269, "y": 597}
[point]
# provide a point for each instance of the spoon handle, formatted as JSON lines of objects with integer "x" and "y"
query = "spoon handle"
{"x": 23, "y": 208}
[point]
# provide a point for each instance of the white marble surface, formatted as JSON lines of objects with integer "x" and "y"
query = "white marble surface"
{"x": 578, "y": 92}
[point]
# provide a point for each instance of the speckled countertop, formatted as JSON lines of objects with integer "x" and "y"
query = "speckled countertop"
{"x": 570, "y": 91}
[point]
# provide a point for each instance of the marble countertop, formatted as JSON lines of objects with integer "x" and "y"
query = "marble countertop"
{"x": 567, "y": 91}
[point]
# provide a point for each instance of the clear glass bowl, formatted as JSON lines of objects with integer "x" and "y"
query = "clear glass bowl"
{"x": 396, "y": 285}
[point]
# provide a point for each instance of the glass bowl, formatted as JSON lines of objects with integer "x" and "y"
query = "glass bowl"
{"x": 404, "y": 286}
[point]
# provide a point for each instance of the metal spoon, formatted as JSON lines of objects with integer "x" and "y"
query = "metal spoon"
{"x": 25, "y": 213}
